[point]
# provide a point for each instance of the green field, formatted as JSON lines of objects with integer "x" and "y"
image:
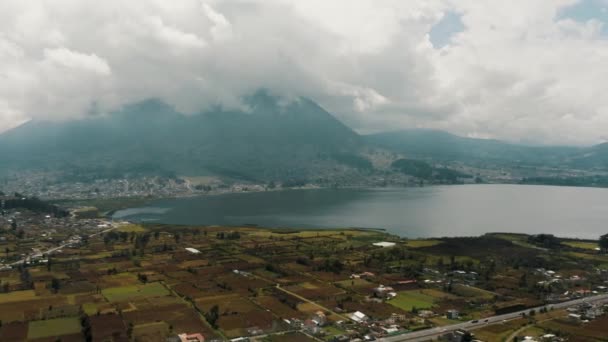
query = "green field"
{"x": 129, "y": 228}
{"x": 407, "y": 300}
{"x": 421, "y": 243}
{"x": 470, "y": 291}
{"x": 53, "y": 327}
{"x": 125, "y": 293}
{"x": 581, "y": 244}
{"x": 17, "y": 296}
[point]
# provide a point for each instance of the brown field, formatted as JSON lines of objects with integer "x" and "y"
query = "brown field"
{"x": 497, "y": 332}
{"x": 278, "y": 308}
{"x": 596, "y": 329}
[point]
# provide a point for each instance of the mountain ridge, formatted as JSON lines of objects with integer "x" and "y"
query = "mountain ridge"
{"x": 272, "y": 140}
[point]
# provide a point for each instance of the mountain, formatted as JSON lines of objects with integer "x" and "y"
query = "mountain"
{"x": 443, "y": 146}
{"x": 272, "y": 140}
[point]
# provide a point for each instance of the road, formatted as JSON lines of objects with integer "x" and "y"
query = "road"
{"x": 54, "y": 249}
{"x": 425, "y": 335}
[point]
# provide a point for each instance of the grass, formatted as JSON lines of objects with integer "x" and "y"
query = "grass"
{"x": 421, "y": 243}
{"x": 89, "y": 308}
{"x": 581, "y": 244}
{"x": 53, "y": 327}
{"x": 354, "y": 283}
{"x": 586, "y": 256}
{"x": 470, "y": 291}
{"x": 407, "y": 300}
{"x": 17, "y": 296}
{"x": 131, "y": 228}
{"x": 331, "y": 331}
{"x": 499, "y": 332}
{"x": 124, "y": 293}
{"x": 517, "y": 239}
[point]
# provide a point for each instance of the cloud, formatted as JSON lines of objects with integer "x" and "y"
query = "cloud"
{"x": 75, "y": 60}
{"x": 516, "y": 70}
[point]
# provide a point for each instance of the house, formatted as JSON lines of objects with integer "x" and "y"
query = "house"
{"x": 311, "y": 327}
{"x": 458, "y": 336}
{"x": 452, "y": 314}
{"x": 426, "y": 313}
{"x": 363, "y": 275}
{"x": 319, "y": 318}
{"x": 384, "y": 244}
{"x": 398, "y": 317}
{"x": 191, "y": 337}
{"x": 359, "y": 317}
{"x": 386, "y": 292}
{"x": 392, "y": 329}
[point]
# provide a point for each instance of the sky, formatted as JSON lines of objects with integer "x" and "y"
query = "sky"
{"x": 522, "y": 71}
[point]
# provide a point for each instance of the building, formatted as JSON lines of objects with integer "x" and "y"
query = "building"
{"x": 319, "y": 318}
{"x": 452, "y": 314}
{"x": 426, "y": 313}
{"x": 385, "y": 292}
{"x": 311, "y": 327}
{"x": 384, "y": 244}
{"x": 191, "y": 337}
{"x": 359, "y": 317}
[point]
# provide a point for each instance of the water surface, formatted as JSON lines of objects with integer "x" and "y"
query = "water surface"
{"x": 462, "y": 210}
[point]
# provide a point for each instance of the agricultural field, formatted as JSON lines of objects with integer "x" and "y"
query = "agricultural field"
{"x": 149, "y": 282}
{"x": 408, "y": 300}
{"x": 127, "y": 293}
{"x": 53, "y": 328}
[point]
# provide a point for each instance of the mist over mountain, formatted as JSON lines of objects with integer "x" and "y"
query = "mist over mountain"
{"x": 271, "y": 139}
{"x": 442, "y": 145}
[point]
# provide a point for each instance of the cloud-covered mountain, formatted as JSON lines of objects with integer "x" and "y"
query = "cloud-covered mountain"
{"x": 467, "y": 67}
{"x": 443, "y": 146}
{"x": 272, "y": 139}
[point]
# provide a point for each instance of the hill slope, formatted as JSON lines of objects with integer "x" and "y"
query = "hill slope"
{"x": 271, "y": 141}
{"x": 443, "y": 146}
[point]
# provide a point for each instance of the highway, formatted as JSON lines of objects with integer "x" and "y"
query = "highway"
{"x": 54, "y": 249}
{"x": 428, "y": 334}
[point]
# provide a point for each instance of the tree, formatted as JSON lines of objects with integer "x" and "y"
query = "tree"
{"x": 55, "y": 284}
{"x": 604, "y": 242}
{"x": 213, "y": 315}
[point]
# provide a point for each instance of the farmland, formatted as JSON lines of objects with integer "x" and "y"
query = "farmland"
{"x": 53, "y": 327}
{"x": 140, "y": 282}
{"x": 408, "y": 300}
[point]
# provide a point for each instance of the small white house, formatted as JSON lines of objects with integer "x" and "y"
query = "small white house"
{"x": 359, "y": 317}
{"x": 384, "y": 244}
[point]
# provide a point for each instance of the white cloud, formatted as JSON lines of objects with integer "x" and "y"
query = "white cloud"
{"x": 516, "y": 71}
{"x": 76, "y": 60}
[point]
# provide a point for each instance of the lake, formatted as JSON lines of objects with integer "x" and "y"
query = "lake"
{"x": 434, "y": 211}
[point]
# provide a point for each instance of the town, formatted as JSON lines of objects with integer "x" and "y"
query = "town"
{"x": 68, "y": 275}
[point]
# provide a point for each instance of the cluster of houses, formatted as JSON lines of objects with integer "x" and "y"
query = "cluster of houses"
{"x": 586, "y": 312}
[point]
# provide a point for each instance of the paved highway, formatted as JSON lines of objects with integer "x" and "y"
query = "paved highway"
{"x": 425, "y": 335}
{"x": 63, "y": 245}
